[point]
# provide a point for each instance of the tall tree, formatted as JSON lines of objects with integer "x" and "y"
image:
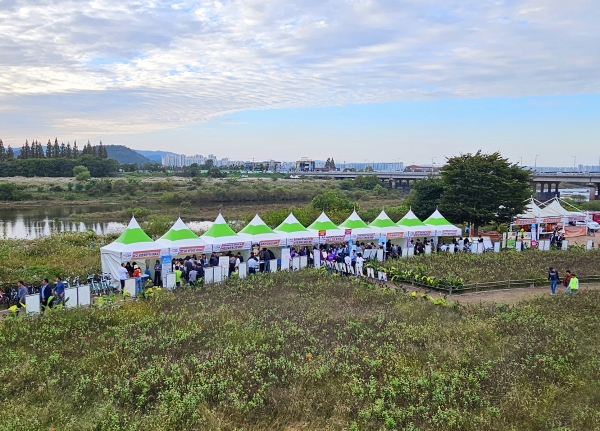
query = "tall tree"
{"x": 425, "y": 196}
{"x": 63, "y": 150}
{"x": 24, "y": 154}
{"x": 10, "y": 154}
{"x": 75, "y": 149}
{"x": 483, "y": 188}
{"x": 69, "y": 154}
{"x": 49, "y": 149}
{"x": 56, "y": 149}
{"x": 2, "y": 151}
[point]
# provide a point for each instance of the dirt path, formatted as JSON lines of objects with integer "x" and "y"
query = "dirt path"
{"x": 509, "y": 296}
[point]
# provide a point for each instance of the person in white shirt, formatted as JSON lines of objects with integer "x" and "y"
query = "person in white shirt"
{"x": 123, "y": 275}
{"x": 348, "y": 262}
{"x": 359, "y": 265}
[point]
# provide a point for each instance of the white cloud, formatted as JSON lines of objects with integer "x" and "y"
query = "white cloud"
{"x": 131, "y": 66}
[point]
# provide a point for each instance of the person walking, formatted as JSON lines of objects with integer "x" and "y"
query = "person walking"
{"x": 566, "y": 281}
{"x": 553, "y": 278}
{"x": 573, "y": 284}
{"x": 45, "y": 294}
{"x": 21, "y": 294}
{"x": 59, "y": 290}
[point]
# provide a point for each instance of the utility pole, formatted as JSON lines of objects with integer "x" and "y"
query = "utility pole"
{"x": 535, "y": 164}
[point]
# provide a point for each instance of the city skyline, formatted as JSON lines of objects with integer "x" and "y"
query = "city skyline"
{"x": 411, "y": 79}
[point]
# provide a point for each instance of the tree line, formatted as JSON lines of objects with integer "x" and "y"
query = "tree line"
{"x": 36, "y": 150}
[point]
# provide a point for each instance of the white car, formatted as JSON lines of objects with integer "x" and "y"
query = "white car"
{"x": 592, "y": 225}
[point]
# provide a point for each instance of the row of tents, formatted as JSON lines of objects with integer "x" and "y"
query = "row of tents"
{"x": 550, "y": 212}
{"x": 135, "y": 245}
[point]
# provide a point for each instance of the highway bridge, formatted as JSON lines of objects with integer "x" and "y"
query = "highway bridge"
{"x": 544, "y": 184}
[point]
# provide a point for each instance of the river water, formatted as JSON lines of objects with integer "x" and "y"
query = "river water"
{"x": 34, "y": 222}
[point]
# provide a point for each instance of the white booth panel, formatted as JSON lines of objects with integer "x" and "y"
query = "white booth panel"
{"x": 84, "y": 296}
{"x": 243, "y": 270}
{"x": 209, "y": 275}
{"x": 33, "y": 304}
{"x": 303, "y": 262}
{"x": 71, "y": 297}
{"x": 130, "y": 286}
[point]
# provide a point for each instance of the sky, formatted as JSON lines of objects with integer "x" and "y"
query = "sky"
{"x": 408, "y": 80}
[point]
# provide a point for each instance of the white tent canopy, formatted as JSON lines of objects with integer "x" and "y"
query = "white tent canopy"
{"x": 441, "y": 226}
{"x": 554, "y": 207}
{"x": 258, "y": 232}
{"x": 294, "y": 233}
{"x": 388, "y": 229}
{"x": 132, "y": 245}
{"x": 414, "y": 226}
{"x": 182, "y": 241}
{"x": 359, "y": 229}
{"x": 223, "y": 238}
{"x": 323, "y": 224}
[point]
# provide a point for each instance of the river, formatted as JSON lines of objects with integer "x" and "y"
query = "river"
{"x": 35, "y": 222}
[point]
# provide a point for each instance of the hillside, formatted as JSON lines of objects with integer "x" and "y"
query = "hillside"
{"x": 126, "y": 155}
{"x": 304, "y": 351}
{"x": 155, "y": 156}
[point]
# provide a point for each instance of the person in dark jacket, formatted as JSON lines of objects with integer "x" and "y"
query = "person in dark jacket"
{"x": 45, "y": 294}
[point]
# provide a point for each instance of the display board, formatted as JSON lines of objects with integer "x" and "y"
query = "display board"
{"x": 379, "y": 255}
{"x": 274, "y": 265}
{"x": 589, "y": 245}
{"x": 565, "y": 244}
{"x": 518, "y": 245}
{"x": 411, "y": 252}
{"x": 285, "y": 264}
{"x": 428, "y": 249}
{"x": 497, "y": 245}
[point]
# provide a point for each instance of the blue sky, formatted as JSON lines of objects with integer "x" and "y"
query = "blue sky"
{"x": 352, "y": 79}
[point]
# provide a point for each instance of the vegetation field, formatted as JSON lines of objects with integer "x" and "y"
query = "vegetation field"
{"x": 304, "y": 351}
{"x": 507, "y": 265}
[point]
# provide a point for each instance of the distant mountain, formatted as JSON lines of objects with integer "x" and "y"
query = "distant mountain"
{"x": 155, "y": 156}
{"x": 125, "y": 154}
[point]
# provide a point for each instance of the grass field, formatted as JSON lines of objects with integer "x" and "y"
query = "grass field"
{"x": 307, "y": 351}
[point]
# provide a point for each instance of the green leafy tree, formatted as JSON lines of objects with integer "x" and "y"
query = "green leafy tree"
{"x": 56, "y": 149}
{"x": 10, "y": 154}
{"x": 369, "y": 169}
{"x": 331, "y": 201}
{"x": 2, "y": 151}
{"x": 81, "y": 173}
{"x": 425, "y": 196}
{"x": 483, "y": 188}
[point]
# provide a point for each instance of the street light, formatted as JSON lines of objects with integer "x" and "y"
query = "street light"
{"x": 432, "y": 163}
{"x": 535, "y": 164}
{"x": 574, "y": 161}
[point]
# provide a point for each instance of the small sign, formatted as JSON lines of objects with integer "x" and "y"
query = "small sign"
{"x": 166, "y": 260}
{"x": 322, "y": 233}
{"x": 348, "y": 232}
